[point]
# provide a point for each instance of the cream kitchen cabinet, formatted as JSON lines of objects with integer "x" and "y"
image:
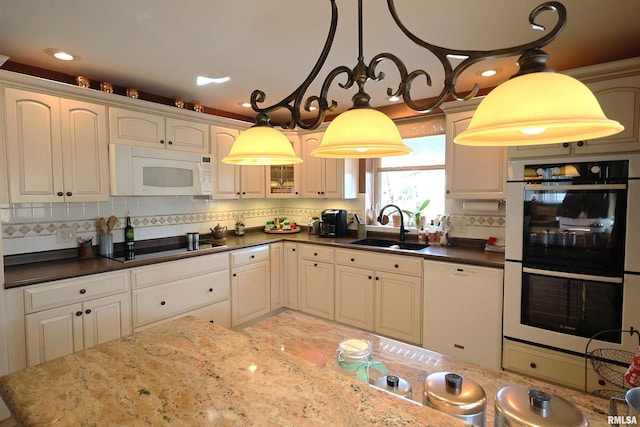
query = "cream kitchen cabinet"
{"x": 463, "y": 312}
{"x": 162, "y": 292}
{"x": 327, "y": 178}
{"x": 56, "y": 148}
{"x": 381, "y": 293}
{"x": 233, "y": 181}
{"x": 283, "y": 181}
{"x": 143, "y": 129}
{"x": 276, "y": 260}
{"x": 290, "y": 275}
{"x": 471, "y": 172}
{"x": 66, "y": 316}
{"x": 316, "y": 280}
{"x": 250, "y": 284}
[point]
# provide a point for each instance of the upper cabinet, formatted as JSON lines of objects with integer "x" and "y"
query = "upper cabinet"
{"x": 142, "y": 129}
{"x": 327, "y": 178}
{"x": 471, "y": 172}
{"x": 233, "y": 181}
{"x": 56, "y": 148}
{"x": 283, "y": 181}
{"x": 616, "y": 86}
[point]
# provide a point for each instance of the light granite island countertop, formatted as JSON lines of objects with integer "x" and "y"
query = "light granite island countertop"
{"x": 193, "y": 373}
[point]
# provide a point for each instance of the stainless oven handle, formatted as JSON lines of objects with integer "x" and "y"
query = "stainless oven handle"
{"x": 542, "y": 187}
{"x": 576, "y": 276}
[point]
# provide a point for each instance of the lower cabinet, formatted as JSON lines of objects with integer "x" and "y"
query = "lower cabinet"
{"x": 316, "y": 281}
{"x": 163, "y": 292}
{"x": 250, "y": 284}
{"x": 66, "y": 316}
{"x": 463, "y": 312}
{"x": 379, "y": 293}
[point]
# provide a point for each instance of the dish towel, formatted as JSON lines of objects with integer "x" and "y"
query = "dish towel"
{"x": 632, "y": 377}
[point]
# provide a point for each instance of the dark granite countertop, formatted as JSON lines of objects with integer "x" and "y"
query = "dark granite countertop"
{"x": 41, "y": 271}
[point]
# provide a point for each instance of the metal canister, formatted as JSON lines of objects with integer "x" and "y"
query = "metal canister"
{"x": 462, "y": 398}
{"x": 524, "y": 406}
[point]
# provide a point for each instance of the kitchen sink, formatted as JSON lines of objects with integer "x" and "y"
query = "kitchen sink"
{"x": 391, "y": 244}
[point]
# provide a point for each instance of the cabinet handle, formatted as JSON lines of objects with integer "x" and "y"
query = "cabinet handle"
{"x": 377, "y": 278}
{"x": 162, "y": 141}
{"x": 565, "y": 144}
{"x": 253, "y": 256}
{"x": 234, "y": 274}
{"x": 370, "y": 277}
{"x": 602, "y": 382}
{"x": 315, "y": 264}
{"x": 297, "y": 193}
{"x": 170, "y": 142}
{"x": 210, "y": 289}
{"x": 60, "y": 193}
{"x": 318, "y": 193}
{"x": 244, "y": 192}
{"x": 315, "y": 254}
{"x": 293, "y": 249}
{"x": 396, "y": 266}
{"x": 83, "y": 291}
{"x": 533, "y": 365}
{"x": 448, "y": 191}
{"x": 69, "y": 194}
{"x": 353, "y": 259}
{"x": 78, "y": 313}
{"x": 88, "y": 311}
{"x": 163, "y": 302}
{"x": 580, "y": 143}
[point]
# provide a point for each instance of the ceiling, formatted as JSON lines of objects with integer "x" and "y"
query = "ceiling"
{"x": 160, "y": 46}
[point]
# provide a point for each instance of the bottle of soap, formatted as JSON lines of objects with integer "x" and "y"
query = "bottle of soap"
{"x": 129, "y": 236}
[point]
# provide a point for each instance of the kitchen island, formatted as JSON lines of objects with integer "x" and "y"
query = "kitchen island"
{"x": 280, "y": 371}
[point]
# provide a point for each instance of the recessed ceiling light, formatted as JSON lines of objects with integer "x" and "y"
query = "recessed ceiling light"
{"x": 61, "y": 54}
{"x": 246, "y": 104}
{"x": 488, "y": 73}
{"x": 202, "y": 81}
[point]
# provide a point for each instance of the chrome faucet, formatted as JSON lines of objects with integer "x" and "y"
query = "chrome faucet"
{"x": 386, "y": 219}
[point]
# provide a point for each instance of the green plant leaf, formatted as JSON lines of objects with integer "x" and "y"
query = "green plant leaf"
{"x": 424, "y": 204}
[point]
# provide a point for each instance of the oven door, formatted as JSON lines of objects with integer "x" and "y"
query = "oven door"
{"x": 563, "y": 310}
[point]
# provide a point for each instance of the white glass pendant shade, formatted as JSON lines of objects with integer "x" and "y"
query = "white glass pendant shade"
{"x": 538, "y": 108}
{"x": 262, "y": 145}
{"x": 361, "y": 133}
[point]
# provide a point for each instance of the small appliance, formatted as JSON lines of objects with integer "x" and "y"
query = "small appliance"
{"x": 334, "y": 223}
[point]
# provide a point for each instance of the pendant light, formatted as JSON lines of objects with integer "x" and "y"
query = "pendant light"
{"x": 536, "y": 106}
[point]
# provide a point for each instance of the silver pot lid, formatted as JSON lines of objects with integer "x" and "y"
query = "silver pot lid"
{"x": 526, "y": 406}
{"x": 394, "y": 384}
{"x": 450, "y": 393}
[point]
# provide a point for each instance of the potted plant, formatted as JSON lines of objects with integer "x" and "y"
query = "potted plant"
{"x": 417, "y": 214}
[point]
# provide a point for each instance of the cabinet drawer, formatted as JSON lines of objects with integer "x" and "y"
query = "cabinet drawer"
{"x": 63, "y": 292}
{"x": 317, "y": 253}
{"x": 249, "y": 255}
{"x": 142, "y": 277}
{"x": 391, "y": 263}
{"x": 159, "y": 302}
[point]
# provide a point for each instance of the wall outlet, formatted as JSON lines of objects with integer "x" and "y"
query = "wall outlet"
{"x": 458, "y": 224}
{"x": 65, "y": 235}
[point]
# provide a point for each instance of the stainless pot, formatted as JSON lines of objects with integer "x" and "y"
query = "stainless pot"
{"x": 460, "y": 397}
{"x": 523, "y": 406}
{"x": 631, "y": 400}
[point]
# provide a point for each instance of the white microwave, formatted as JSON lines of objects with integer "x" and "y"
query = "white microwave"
{"x": 136, "y": 171}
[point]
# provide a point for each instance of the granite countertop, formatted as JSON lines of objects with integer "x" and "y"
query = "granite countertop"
{"x": 45, "y": 271}
{"x": 190, "y": 372}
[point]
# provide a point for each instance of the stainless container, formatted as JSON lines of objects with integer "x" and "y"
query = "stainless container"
{"x": 520, "y": 405}
{"x": 314, "y": 226}
{"x": 631, "y": 400}
{"x": 395, "y": 385}
{"x": 460, "y": 397}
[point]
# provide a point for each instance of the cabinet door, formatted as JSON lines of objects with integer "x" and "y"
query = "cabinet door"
{"x": 290, "y": 275}
{"x": 472, "y": 172}
{"x": 250, "y": 292}
{"x": 398, "y": 300}
{"x": 106, "y": 319}
{"x": 312, "y": 167}
{"x": 276, "y": 258}
{"x": 84, "y": 151}
{"x": 333, "y": 174}
{"x": 354, "y": 297}
{"x": 184, "y": 135}
{"x": 226, "y": 178}
{"x": 252, "y": 182}
{"x": 283, "y": 181}
{"x": 455, "y": 297}
{"x": 53, "y": 333}
{"x": 136, "y": 128}
{"x": 317, "y": 288}
{"x": 34, "y": 147}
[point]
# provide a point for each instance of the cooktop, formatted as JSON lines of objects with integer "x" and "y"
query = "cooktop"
{"x": 159, "y": 252}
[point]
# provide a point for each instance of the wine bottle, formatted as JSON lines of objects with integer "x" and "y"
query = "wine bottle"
{"x": 128, "y": 236}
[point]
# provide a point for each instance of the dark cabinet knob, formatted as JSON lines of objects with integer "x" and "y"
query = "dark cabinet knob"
{"x": 580, "y": 143}
{"x": 318, "y": 193}
{"x": 533, "y": 365}
{"x": 235, "y": 274}
{"x": 396, "y": 266}
{"x": 69, "y": 194}
{"x": 353, "y": 260}
{"x": 602, "y": 382}
{"x": 315, "y": 254}
{"x": 83, "y": 291}
{"x": 253, "y": 256}
{"x": 238, "y": 193}
{"x": 244, "y": 192}
{"x": 315, "y": 264}
{"x": 60, "y": 194}
{"x": 293, "y": 249}
{"x": 87, "y": 311}
{"x": 297, "y": 192}
{"x": 565, "y": 144}
{"x": 170, "y": 142}
{"x": 78, "y": 313}
{"x": 370, "y": 277}
{"x": 162, "y": 141}
{"x": 377, "y": 278}
{"x": 163, "y": 302}
{"x": 210, "y": 289}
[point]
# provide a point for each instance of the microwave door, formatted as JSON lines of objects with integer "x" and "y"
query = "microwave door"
{"x": 158, "y": 177}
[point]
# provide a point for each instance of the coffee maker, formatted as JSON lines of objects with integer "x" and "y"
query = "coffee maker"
{"x": 334, "y": 223}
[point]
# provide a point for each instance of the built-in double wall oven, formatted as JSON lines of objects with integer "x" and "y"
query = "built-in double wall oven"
{"x": 573, "y": 252}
